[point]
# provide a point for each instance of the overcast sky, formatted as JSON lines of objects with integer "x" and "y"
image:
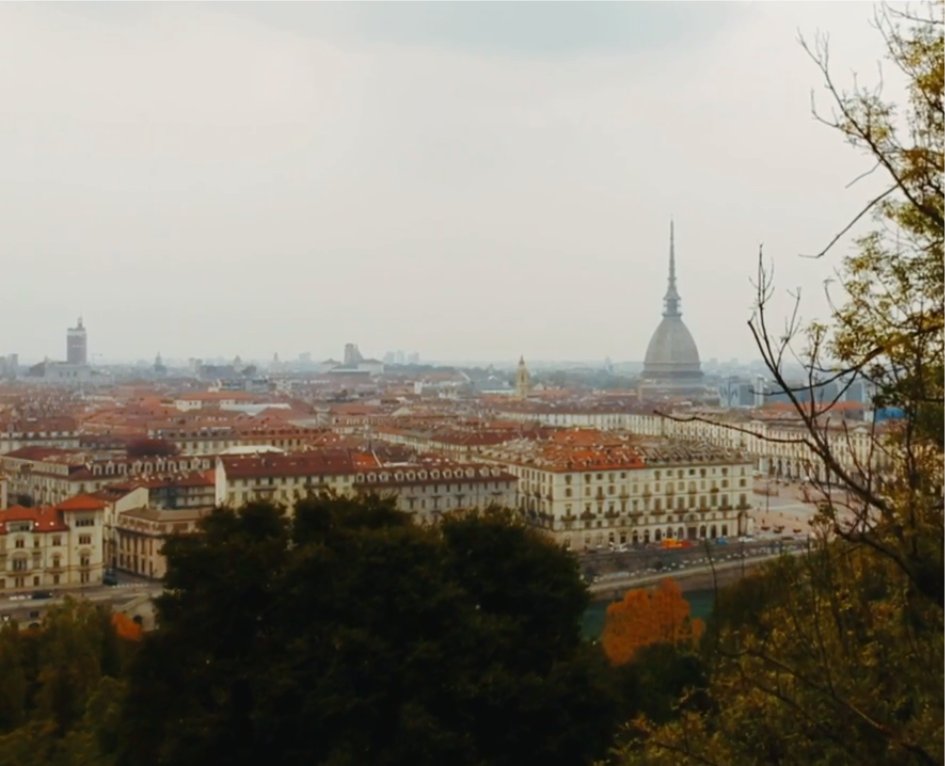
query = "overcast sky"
{"x": 469, "y": 181}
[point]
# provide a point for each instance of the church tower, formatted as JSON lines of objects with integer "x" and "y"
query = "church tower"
{"x": 522, "y": 379}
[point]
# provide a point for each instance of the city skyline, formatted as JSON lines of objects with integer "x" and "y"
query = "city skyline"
{"x": 468, "y": 181}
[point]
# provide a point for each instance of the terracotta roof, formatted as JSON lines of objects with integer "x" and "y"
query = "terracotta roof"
{"x": 316, "y": 463}
{"x": 43, "y": 519}
{"x": 81, "y": 503}
{"x": 42, "y": 453}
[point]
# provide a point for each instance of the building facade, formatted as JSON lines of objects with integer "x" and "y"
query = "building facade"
{"x": 52, "y": 547}
{"x": 594, "y": 493}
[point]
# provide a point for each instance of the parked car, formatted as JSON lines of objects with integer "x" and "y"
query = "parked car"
{"x": 109, "y": 578}
{"x": 40, "y": 594}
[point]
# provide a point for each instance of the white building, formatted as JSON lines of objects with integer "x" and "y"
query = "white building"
{"x": 587, "y": 494}
{"x": 52, "y": 547}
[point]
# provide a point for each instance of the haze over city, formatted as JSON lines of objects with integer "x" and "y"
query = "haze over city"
{"x": 471, "y": 181}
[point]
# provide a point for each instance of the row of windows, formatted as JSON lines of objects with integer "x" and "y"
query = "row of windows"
{"x": 657, "y": 475}
{"x": 22, "y": 564}
{"x": 21, "y": 542}
{"x": 682, "y": 503}
{"x": 681, "y": 486}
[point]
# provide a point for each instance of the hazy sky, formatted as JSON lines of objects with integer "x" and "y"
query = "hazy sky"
{"x": 470, "y": 181}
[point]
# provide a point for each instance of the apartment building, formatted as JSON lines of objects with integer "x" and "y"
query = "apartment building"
{"x": 424, "y": 488}
{"x": 589, "y": 488}
{"x": 49, "y": 475}
{"x": 141, "y": 533}
{"x": 428, "y": 490}
{"x": 52, "y": 547}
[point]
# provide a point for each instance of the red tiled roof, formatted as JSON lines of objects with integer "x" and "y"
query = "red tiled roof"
{"x": 44, "y": 519}
{"x": 81, "y": 503}
{"x": 40, "y": 453}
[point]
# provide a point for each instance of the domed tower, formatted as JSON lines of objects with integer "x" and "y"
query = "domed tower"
{"x": 672, "y": 356}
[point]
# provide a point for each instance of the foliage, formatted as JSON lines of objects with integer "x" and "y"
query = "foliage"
{"x": 837, "y": 657}
{"x": 837, "y": 667}
{"x": 646, "y": 617}
{"x": 61, "y": 688}
{"x": 352, "y": 636}
{"x": 146, "y": 447}
{"x": 888, "y": 327}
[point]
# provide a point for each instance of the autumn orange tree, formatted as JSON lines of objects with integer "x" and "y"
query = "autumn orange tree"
{"x": 648, "y": 616}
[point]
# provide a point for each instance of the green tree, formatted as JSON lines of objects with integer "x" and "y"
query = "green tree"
{"x": 353, "y": 636}
{"x": 61, "y": 688}
{"x": 13, "y": 681}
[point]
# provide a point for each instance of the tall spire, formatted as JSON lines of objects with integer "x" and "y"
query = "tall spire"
{"x": 671, "y": 299}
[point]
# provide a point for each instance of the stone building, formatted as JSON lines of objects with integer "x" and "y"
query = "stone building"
{"x": 588, "y": 489}
{"x": 52, "y": 547}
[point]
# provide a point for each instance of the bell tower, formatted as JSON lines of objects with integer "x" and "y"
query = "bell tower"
{"x": 522, "y": 379}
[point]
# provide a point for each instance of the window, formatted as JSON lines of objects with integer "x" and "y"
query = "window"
{"x": 85, "y": 522}
{"x": 20, "y": 543}
{"x": 57, "y": 540}
{"x": 19, "y": 565}
{"x": 84, "y": 561}
{"x": 85, "y": 539}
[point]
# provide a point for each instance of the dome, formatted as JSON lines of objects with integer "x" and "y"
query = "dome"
{"x": 672, "y": 352}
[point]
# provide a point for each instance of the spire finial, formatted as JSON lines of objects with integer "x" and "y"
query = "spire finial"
{"x": 671, "y": 299}
{"x": 672, "y": 254}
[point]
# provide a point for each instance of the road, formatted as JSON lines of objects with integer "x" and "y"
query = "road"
{"x": 26, "y": 610}
{"x": 698, "y": 576}
{"x": 782, "y": 526}
{"x": 656, "y": 560}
